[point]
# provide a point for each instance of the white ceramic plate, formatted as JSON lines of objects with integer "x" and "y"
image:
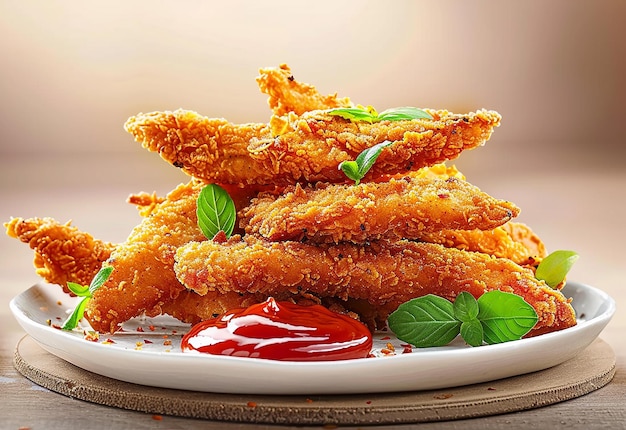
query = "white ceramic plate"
{"x": 148, "y": 352}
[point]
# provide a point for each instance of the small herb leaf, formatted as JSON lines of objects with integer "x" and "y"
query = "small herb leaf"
{"x": 79, "y": 290}
{"x": 505, "y": 316}
{"x": 369, "y": 114}
{"x": 72, "y": 321}
{"x": 403, "y": 114}
{"x": 100, "y": 278}
{"x": 465, "y": 307}
{"x": 472, "y": 332}
{"x": 87, "y": 293}
{"x": 351, "y": 169}
{"x": 425, "y": 321}
{"x": 555, "y": 267}
{"x": 216, "y": 211}
{"x": 353, "y": 114}
{"x": 358, "y": 168}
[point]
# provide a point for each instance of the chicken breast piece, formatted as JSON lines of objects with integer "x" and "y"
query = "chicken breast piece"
{"x": 306, "y": 148}
{"x": 384, "y": 274}
{"x": 63, "y": 253}
{"x": 403, "y": 208}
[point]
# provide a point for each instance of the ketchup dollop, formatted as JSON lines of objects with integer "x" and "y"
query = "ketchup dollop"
{"x": 281, "y": 331}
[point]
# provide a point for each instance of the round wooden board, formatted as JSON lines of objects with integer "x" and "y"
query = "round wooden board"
{"x": 590, "y": 370}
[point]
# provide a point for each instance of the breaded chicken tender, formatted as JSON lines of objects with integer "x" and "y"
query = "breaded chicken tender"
{"x": 395, "y": 209}
{"x": 63, "y": 253}
{"x": 382, "y": 273}
{"x": 142, "y": 279}
{"x": 515, "y": 241}
{"x": 523, "y": 234}
{"x": 306, "y": 148}
{"x": 286, "y": 94}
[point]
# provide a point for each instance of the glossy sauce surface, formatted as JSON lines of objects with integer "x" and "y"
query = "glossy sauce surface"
{"x": 281, "y": 331}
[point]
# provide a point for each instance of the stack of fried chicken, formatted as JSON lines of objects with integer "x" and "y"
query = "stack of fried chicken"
{"x": 306, "y": 233}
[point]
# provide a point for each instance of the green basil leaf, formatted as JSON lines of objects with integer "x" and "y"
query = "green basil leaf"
{"x": 403, "y": 114}
{"x": 505, "y": 316}
{"x": 465, "y": 307}
{"x": 216, "y": 211}
{"x": 368, "y": 157}
{"x": 425, "y": 321}
{"x": 357, "y": 169}
{"x": 353, "y": 114}
{"x": 351, "y": 169}
{"x": 79, "y": 290}
{"x": 472, "y": 332}
{"x": 72, "y": 321}
{"x": 555, "y": 267}
{"x": 100, "y": 278}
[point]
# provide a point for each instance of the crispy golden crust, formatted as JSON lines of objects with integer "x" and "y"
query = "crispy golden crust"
{"x": 305, "y": 148}
{"x": 522, "y": 247}
{"x": 142, "y": 279}
{"x": 62, "y": 252}
{"x": 145, "y": 202}
{"x": 395, "y": 209}
{"x": 523, "y": 234}
{"x": 382, "y": 273}
{"x": 192, "y": 308}
{"x": 286, "y": 94}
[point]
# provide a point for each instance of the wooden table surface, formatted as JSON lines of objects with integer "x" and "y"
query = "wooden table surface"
{"x": 570, "y": 208}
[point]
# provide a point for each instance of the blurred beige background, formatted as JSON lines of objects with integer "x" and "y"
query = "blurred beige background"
{"x": 73, "y": 72}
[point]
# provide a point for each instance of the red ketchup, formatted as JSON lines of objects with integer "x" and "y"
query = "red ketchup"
{"x": 281, "y": 331}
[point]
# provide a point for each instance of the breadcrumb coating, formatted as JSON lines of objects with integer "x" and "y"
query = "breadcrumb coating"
{"x": 62, "y": 252}
{"x": 142, "y": 279}
{"x": 286, "y": 94}
{"x": 395, "y": 209}
{"x": 306, "y": 148}
{"x": 384, "y": 274}
{"x": 515, "y": 241}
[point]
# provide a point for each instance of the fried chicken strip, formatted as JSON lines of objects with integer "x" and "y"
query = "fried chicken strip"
{"x": 396, "y": 209}
{"x": 382, "y": 273}
{"x": 286, "y": 94}
{"x": 305, "y": 148}
{"x": 63, "y": 253}
{"x": 515, "y": 241}
{"x": 523, "y": 234}
{"x": 142, "y": 279}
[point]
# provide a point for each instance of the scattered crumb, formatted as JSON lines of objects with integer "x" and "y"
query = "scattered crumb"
{"x": 91, "y": 336}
